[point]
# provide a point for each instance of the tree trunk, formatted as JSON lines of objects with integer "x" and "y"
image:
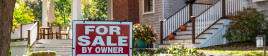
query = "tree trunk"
{"x": 6, "y": 17}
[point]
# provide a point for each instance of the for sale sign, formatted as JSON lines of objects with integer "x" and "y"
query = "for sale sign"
{"x": 102, "y": 38}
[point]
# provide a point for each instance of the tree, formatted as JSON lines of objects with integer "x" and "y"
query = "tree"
{"x": 36, "y": 6}
{"x": 6, "y": 16}
{"x": 22, "y": 14}
{"x": 63, "y": 13}
{"x": 94, "y": 9}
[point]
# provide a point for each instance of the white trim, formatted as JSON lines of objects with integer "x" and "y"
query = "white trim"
{"x": 151, "y": 12}
{"x": 100, "y": 22}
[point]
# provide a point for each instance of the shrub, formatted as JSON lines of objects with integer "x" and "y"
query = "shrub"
{"x": 144, "y": 32}
{"x": 247, "y": 24}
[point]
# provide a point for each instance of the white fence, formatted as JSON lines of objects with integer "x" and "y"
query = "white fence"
{"x": 27, "y": 31}
{"x": 33, "y": 34}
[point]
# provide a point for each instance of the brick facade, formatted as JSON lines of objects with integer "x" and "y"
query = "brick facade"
{"x": 125, "y": 10}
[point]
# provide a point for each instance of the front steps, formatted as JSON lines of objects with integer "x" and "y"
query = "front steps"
{"x": 185, "y": 37}
{"x": 61, "y": 46}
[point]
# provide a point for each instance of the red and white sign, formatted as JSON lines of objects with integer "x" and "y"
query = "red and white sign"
{"x": 102, "y": 38}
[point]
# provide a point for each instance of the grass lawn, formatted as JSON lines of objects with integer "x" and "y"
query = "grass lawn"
{"x": 239, "y": 48}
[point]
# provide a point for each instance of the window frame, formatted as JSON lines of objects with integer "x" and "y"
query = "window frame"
{"x": 149, "y": 12}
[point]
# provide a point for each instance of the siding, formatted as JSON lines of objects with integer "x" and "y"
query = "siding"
{"x": 153, "y": 18}
{"x": 172, "y": 6}
{"x": 259, "y": 5}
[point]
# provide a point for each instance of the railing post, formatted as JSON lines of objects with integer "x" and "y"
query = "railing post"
{"x": 21, "y": 31}
{"x": 193, "y": 29}
{"x": 29, "y": 36}
{"x": 161, "y": 31}
{"x": 191, "y": 9}
{"x": 37, "y": 29}
{"x": 223, "y": 8}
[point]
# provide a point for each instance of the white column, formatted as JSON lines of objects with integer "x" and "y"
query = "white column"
{"x": 44, "y": 13}
{"x": 76, "y": 10}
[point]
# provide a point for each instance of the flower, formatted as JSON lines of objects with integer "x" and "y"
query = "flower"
{"x": 144, "y": 32}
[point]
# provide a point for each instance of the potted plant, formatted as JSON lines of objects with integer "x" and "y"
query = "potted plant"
{"x": 143, "y": 34}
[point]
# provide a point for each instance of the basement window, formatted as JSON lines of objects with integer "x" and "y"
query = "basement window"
{"x": 148, "y": 6}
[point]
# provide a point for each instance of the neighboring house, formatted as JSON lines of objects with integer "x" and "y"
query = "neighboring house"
{"x": 259, "y": 4}
{"x": 210, "y": 21}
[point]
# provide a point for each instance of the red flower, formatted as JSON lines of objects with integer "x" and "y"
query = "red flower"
{"x": 157, "y": 35}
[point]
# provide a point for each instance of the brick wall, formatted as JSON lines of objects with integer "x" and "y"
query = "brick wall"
{"x": 126, "y": 10}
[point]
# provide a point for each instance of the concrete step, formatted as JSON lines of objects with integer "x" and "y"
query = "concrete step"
{"x": 56, "y": 40}
{"x": 186, "y": 41}
{"x": 69, "y": 50}
{"x": 52, "y": 44}
{"x": 206, "y": 22}
{"x": 45, "y": 49}
{"x": 48, "y": 46}
{"x": 64, "y": 53}
{"x": 188, "y": 36}
{"x": 179, "y": 45}
{"x": 183, "y": 32}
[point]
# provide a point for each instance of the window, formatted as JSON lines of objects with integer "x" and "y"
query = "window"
{"x": 148, "y": 6}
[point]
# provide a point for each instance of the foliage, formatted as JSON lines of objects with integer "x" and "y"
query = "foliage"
{"x": 22, "y": 14}
{"x": 144, "y": 32}
{"x": 9, "y": 53}
{"x": 176, "y": 51}
{"x": 94, "y": 9}
{"x": 247, "y": 23}
{"x": 36, "y": 6}
{"x": 63, "y": 13}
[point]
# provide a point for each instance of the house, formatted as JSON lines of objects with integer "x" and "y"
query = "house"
{"x": 166, "y": 16}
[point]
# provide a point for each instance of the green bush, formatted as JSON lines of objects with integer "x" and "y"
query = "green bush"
{"x": 247, "y": 24}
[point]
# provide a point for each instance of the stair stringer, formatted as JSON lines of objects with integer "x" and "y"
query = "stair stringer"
{"x": 217, "y": 36}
